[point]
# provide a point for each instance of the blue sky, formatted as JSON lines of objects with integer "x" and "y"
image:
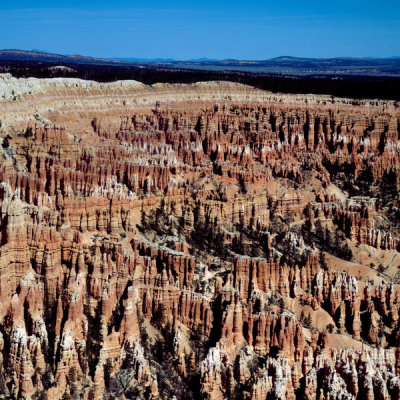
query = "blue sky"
{"x": 252, "y": 29}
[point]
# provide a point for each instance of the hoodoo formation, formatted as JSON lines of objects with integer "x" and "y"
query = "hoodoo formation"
{"x": 204, "y": 241}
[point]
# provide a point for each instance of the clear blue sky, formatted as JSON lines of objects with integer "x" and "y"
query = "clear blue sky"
{"x": 241, "y": 29}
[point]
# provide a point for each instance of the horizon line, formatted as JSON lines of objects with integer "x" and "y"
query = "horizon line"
{"x": 200, "y": 58}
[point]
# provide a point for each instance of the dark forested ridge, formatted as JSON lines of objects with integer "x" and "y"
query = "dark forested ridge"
{"x": 342, "y": 85}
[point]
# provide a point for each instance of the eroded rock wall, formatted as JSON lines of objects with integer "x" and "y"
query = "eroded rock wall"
{"x": 202, "y": 241}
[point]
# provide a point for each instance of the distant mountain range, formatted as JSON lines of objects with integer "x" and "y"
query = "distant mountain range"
{"x": 281, "y": 65}
{"x": 24, "y": 55}
{"x": 155, "y": 60}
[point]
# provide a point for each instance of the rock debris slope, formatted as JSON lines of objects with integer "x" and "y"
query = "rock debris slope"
{"x": 208, "y": 241}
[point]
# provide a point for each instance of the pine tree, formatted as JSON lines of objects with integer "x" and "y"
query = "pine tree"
{"x": 308, "y": 321}
{"x": 302, "y": 317}
{"x": 282, "y": 304}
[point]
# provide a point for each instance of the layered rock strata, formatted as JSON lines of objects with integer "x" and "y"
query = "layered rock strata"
{"x": 206, "y": 241}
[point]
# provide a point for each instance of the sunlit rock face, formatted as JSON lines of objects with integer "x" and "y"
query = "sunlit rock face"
{"x": 206, "y": 241}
